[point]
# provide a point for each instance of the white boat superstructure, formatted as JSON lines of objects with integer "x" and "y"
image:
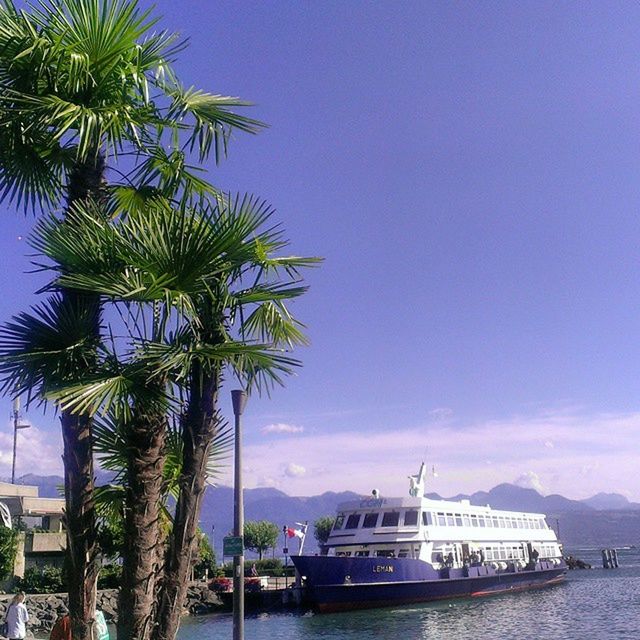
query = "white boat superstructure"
{"x": 442, "y": 533}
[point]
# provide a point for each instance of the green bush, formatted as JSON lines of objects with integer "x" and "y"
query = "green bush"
{"x": 266, "y": 567}
{"x": 8, "y": 549}
{"x": 47, "y": 580}
{"x": 110, "y": 576}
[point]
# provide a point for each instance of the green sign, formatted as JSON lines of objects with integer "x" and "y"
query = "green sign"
{"x": 101, "y": 629}
{"x": 233, "y": 546}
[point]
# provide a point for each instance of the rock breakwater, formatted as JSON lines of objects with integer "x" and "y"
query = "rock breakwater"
{"x": 44, "y": 609}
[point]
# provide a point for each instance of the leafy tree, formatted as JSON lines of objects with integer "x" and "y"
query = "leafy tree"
{"x": 260, "y": 535}
{"x": 205, "y": 559}
{"x": 83, "y": 82}
{"x": 322, "y": 528}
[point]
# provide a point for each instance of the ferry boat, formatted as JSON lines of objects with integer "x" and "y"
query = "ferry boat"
{"x": 390, "y": 551}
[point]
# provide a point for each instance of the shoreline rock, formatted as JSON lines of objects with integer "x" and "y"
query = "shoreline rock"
{"x": 45, "y": 608}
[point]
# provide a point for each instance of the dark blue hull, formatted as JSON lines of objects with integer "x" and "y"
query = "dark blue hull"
{"x": 341, "y": 584}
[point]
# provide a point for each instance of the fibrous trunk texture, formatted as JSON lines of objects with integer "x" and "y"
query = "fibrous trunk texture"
{"x": 86, "y": 182}
{"x": 198, "y": 427}
{"x": 145, "y": 438}
{"x": 82, "y": 565}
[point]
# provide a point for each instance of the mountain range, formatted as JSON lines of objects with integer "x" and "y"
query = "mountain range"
{"x": 604, "y": 520}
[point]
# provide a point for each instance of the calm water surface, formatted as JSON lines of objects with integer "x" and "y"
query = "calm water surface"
{"x": 591, "y": 605}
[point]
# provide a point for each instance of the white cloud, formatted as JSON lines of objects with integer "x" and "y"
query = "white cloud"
{"x": 339, "y": 460}
{"x": 529, "y": 480}
{"x": 293, "y": 470}
{"x": 441, "y": 413}
{"x": 282, "y": 427}
{"x": 266, "y": 482}
{"x": 38, "y": 452}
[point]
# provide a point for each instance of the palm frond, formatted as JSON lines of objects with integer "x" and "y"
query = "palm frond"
{"x": 32, "y": 166}
{"x": 117, "y": 388}
{"x": 50, "y": 346}
{"x": 272, "y": 323}
{"x": 109, "y": 501}
{"x": 246, "y": 360}
{"x": 213, "y": 119}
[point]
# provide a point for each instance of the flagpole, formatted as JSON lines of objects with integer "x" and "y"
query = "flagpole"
{"x": 304, "y": 536}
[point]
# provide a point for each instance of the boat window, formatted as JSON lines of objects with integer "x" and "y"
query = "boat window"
{"x": 370, "y": 520}
{"x": 502, "y": 524}
{"x": 344, "y": 554}
{"x": 467, "y": 522}
{"x": 441, "y": 519}
{"x": 362, "y": 554}
{"x": 520, "y": 526}
{"x": 385, "y": 553}
{"x": 481, "y": 521}
{"x": 403, "y": 553}
{"x": 410, "y": 518}
{"x": 474, "y": 521}
{"x": 436, "y": 556}
{"x": 488, "y": 521}
{"x": 339, "y": 522}
{"x": 450, "y": 520}
{"x": 458, "y": 520}
{"x": 390, "y": 519}
{"x": 427, "y": 518}
{"x": 353, "y": 521}
{"x": 496, "y": 522}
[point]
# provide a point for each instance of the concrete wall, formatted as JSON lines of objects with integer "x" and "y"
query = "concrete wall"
{"x": 8, "y": 489}
{"x": 44, "y": 542}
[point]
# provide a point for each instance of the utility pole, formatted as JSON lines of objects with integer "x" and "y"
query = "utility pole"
{"x": 16, "y": 426}
{"x": 239, "y": 399}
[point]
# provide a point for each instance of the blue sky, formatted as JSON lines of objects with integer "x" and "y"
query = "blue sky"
{"x": 471, "y": 174}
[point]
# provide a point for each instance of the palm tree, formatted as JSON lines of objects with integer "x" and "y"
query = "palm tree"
{"x": 195, "y": 277}
{"x": 81, "y": 82}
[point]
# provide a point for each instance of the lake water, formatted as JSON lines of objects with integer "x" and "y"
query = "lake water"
{"x": 591, "y": 605}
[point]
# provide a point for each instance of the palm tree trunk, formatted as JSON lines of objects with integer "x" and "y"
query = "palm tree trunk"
{"x": 142, "y": 531}
{"x": 199, "y": 425}
{"x": 85, "y": 182}
{"x": 82, "y": 565}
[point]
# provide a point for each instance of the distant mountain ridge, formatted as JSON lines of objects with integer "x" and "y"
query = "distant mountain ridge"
{"x": 606, "y": 519}
{"x": 513, "y": 497}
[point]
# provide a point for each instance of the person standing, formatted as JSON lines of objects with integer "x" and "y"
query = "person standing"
{"x": 17, "y": 618}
